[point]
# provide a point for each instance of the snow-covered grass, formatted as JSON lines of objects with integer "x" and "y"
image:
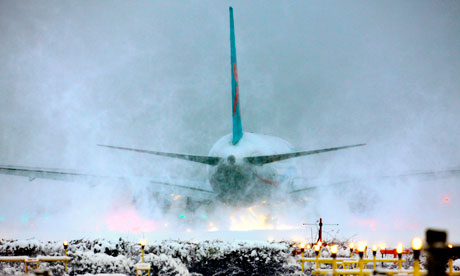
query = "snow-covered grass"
{"x": 168, "y": 257}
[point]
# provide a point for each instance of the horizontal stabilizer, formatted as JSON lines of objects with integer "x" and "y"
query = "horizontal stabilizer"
{"x": 208, "y": 160}
{"x": 265, "y": 159}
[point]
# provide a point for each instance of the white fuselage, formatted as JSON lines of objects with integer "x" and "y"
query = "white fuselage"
{"x": 237, "y": 181}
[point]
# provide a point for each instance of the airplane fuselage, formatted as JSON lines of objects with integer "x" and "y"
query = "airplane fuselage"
{"x": 236, "y": 181}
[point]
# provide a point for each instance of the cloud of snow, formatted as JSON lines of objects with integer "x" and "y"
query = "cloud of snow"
{"x": 156, "y": 76}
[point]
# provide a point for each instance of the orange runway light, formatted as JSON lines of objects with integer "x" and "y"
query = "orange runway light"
{"x": 417, "y": 244}
{"x": 361, "y": 246}
{"x": 351, "y": 245}
{"x": 334, "y": 249}
{"x": 142, "y": 243}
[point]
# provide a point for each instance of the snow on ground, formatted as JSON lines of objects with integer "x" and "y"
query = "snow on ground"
{"x": 168, "y": 257}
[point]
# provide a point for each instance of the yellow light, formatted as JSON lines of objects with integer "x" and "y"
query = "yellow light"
{"x": 450, "y": 245}
{"x": 351, "y": 245}
{"x": 317, "y": 247}
{"x": 416, "y": 243}
{"x": 66, "y": 243}
{"x": 361, "y": 246}
{"x": 383, "y": 246}
{"x": 142, "y": 242}
{"x": 334, "y": 249}
{"x": 374, "y": 248}
{"x": 270, "y": 239}
{"x": 399, "y": 248}
{"x": 320, "y": 243}
{"x": 308, "y": 246}
{"x": 302, "y": 245}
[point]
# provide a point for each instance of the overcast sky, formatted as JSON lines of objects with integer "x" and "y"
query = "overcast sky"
{"x": 156, "y": 75}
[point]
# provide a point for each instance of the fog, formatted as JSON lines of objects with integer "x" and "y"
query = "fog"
{"x": 156, "y": 75}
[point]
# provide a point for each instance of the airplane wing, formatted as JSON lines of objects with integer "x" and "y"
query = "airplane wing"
{"x": 424, "y": 175}
{"x": 265, "y": 159}
{"x": 208, "y": 160}
{"x": 188, "y": 188}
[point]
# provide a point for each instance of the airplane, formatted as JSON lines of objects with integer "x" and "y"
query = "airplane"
{"x": 241, "y": 165}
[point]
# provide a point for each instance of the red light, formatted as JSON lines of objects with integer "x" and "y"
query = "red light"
{"x": 446, "y": 199}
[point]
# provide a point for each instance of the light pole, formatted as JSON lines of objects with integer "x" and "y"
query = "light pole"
{"x": 142, "y": 244}
{"x": 351, "y": 245}
{"x": 317, "y": 252}
{"x": 416, "y": 247}
{"x": 374, "y": 253}
{"x": 302, "y": 252}
{"x": 66, "y": 244}
{"x": 361, "y": 248}
{"x": 399, "y": 250}
{"x": 383, "y": 249}
{"x": 334, "y": 250}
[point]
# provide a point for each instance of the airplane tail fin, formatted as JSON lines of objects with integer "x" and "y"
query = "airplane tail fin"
{"x": 237, "y": 128}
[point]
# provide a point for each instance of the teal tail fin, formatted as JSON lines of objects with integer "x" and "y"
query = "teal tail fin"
{"x": 237, "y": 128}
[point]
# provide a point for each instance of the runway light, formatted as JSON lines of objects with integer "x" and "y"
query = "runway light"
{"x": 334, "y": 249}
{"x": 66, "y": 244}
{"x": 446, "y": 199}
{"x": 320, "y": 243}
{"x": 270, "y": 239}
{"x": 399, "y": 250}
{"x": 142, "y": 243}
{"x": 374, "y": 250}
{"x": 361, "y": 247}
{"x": 416, "y": 246}
{"x": 317, "y": 248}
{"x": 351, "y": 245}
{"x": 382, "y": 247}
{"x": 450, "y": 245}
{"x": 182, "y": 216}
{"x": 308, "y": 246}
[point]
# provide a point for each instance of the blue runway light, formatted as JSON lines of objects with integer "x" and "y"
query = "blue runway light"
{"x": 2, "y": 219}
{"x": 182, "y": 216}
{"x": 204, "y": 216}
{"x": 24, "y": 218}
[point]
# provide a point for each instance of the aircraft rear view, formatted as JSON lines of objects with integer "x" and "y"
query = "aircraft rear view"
{"x": 240, "y": 165}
